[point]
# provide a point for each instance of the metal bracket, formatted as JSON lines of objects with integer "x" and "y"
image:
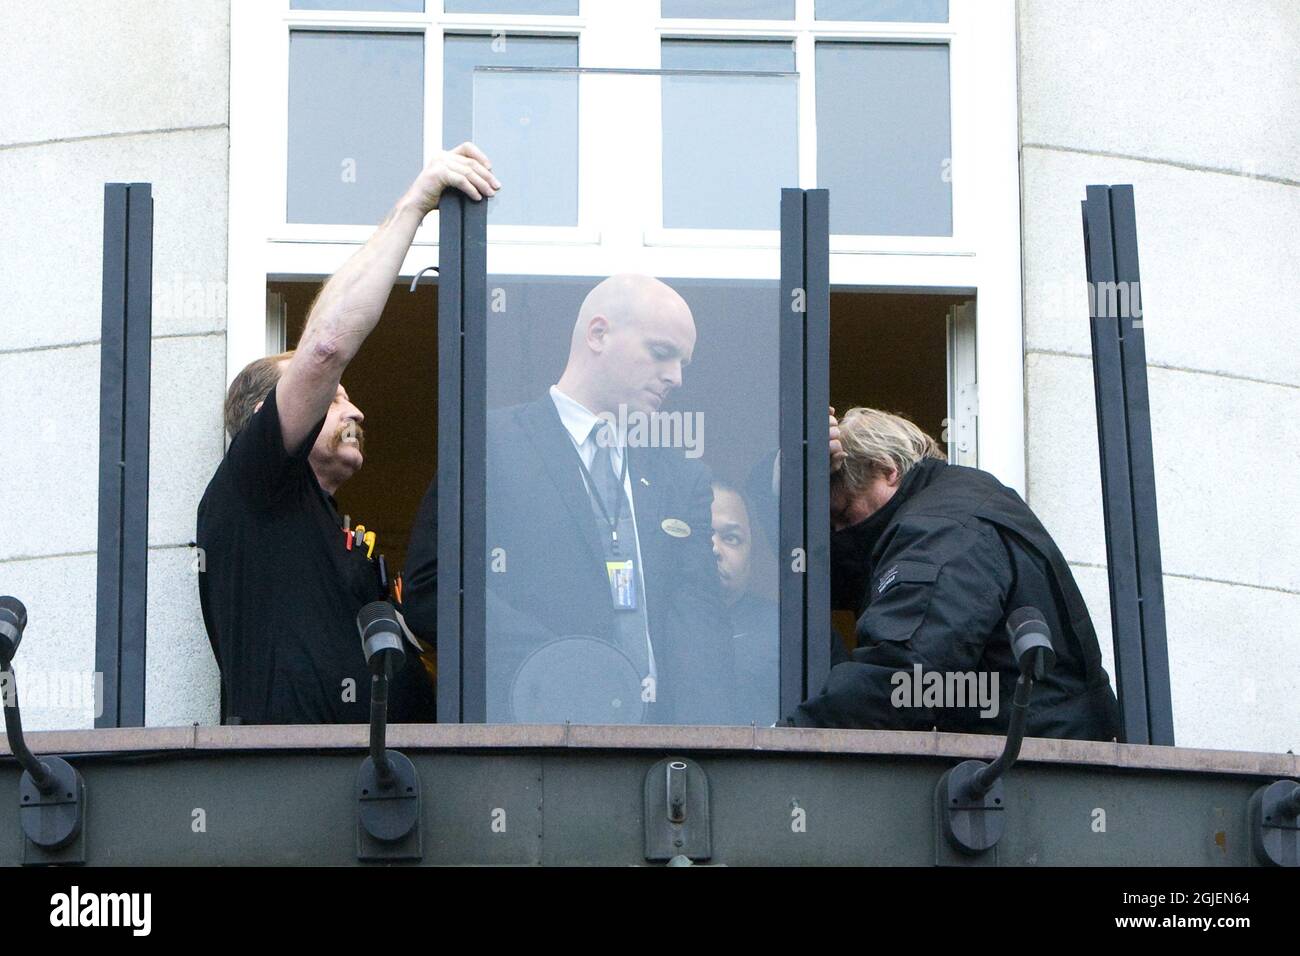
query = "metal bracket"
{"x": 388, "y": 815}
{"x": 418, "y": 275}
{"x": 970, "y": 824}
{"x": 677, "y": 812}
{"x": 1274, "y": 824}
{"x": 53, "y": 822}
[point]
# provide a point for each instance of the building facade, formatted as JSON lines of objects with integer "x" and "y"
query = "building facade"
{"x": 975, "y": 273}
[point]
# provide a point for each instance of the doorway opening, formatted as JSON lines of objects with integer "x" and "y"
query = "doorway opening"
{"x": 394, "y": 382}
{"x": 910, "y": 354}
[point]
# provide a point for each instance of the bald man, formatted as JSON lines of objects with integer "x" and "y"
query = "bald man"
{"x": 603, "y": 600}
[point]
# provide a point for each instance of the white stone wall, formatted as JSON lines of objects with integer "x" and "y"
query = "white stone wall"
{"x": 95, "y": 92}
{"x": 1197, "y": 105}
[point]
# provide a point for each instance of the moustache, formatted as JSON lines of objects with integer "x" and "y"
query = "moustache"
{"x": 349, "y": 430}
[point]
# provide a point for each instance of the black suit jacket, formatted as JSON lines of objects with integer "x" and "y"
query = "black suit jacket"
{"x": 553, "y": 583}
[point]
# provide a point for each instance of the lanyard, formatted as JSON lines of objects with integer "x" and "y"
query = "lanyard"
{"x": 600, "y": 503}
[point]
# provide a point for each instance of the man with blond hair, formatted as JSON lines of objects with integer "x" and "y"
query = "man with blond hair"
{"x": 933, "y": 558}
{"x": 281, "y": 582}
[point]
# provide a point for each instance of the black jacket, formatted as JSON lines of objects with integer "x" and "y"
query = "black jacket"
{"x": 552, "y": 582}
{"x": 933, "y": 576}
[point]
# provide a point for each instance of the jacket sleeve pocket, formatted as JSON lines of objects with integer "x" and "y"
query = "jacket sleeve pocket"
{"x": 900, "y": 597}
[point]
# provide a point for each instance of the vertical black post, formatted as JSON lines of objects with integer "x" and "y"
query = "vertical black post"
{"x": 474, "y": 464}
{"x": 123, "y": 545}
{"x": 1127, "y": 466}
{"x": 450, "y": 431}
{"x": 462, "y": 459}
{"x": 1142, "y": 471}
{"x": 793, "y": 577}
{"x": 817, "y": 351}
{"x": 804, "y": 530}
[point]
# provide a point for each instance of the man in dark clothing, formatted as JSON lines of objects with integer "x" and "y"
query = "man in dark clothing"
{"x": 600, "y": 540}
{"x": 281, "y": 579}
{"x": 933, "y": 558}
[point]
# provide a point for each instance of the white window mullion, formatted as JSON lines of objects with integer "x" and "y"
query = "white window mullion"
{"x": 428, "y": 232}
{"x": 806, "y": 63}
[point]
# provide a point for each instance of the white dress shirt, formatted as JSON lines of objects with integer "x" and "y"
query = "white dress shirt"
{"x": 578, "y": 421}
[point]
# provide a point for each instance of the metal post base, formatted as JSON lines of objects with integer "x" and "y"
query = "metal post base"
{"x": 52, "y": 821}
{"x": 970, "y": 825}
{"x": 1274, "y": 835}
{"x": 388, "y": 818}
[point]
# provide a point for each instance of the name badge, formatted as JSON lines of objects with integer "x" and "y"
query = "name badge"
{"x": 622, "y": 584}
{"x": 676, "y": 527}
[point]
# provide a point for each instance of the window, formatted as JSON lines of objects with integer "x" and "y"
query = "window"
{"x": 916, "y": 11}
{"x": 393, "y": 6}
{"x": 884, "y": 145}
{"x": 851, "y": 96}
{"x": 533, "y": 137}
{"x": 355, "y": 123}
{"x": 730, "y": 9}
{"x": 710, "y": 121}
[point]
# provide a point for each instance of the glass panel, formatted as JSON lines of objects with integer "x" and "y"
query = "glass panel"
{"x": 729, "y": 144}
{"x": 693, "y": 139}
{"x": 538, "y": 118}
{"x": 909, "y": 11}
{"x": 647, "y": 596}
{"x": 729, "y": 9}
{"x": 884, "y": 137}
{"x": 356, "y": 123}
{"x": 400, "y": 6}
{"x": 764, "y": 56}
{"x": 556, "y": 8}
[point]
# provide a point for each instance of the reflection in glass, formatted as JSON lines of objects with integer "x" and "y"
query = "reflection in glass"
{"x": 884, "y": 137}
{"x": 527, "y": 122}
{"x": 556, "y": 8}
{"x": 729, "y": 9}
{"x": 356, "y": 123}
{"x": 910, "y": 11}
{"x": 388, "y": 6}
{"x": 614, "y": 406}
{"x": 730, "y": 144}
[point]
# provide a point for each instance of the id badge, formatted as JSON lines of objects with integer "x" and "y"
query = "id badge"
{"x": 622, "y": 584}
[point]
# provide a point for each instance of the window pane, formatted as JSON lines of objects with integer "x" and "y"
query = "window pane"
{"x": 606, "y": 602}
{"x": 884, "y": 139}
{"x": 910, "y": 11}
{"x": 401, "y": 6}
{"x": 730, "y": 144}
{"x": 461, "y": 53}
{"x": 730, "y": 9}
{"x": 526, "y": 122}
{"x": 356, "y": 123}
{"x": 556, "y": 8}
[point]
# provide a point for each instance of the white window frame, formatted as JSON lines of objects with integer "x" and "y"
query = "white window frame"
{"x": 980, "y": 259}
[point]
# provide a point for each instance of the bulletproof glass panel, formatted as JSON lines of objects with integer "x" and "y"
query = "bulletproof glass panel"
{"x": 632, "y": 428}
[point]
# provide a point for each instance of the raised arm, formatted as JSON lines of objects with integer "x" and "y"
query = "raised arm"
{"x": 349, "y": 306}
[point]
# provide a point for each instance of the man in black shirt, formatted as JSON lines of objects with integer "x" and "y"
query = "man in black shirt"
{"x": 279, "y": 585}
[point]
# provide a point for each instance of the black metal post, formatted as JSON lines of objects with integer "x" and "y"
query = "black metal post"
{"x": 1127, "y": 466}
{"x": 450, "y": 408}
{"x": 792, "y": 592}
{"x": 474, "y": 463}
{"x": 804, "y": 529}
{"x": 123, "y": 547}
{"x": 462, "y": 459}
{"x": 817, "y": 389}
